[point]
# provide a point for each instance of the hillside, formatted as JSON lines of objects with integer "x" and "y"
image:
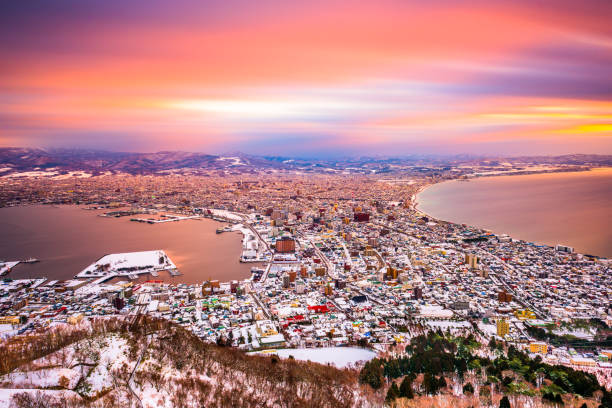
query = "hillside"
{"x": 112, "y": 362}
{"x": 154, "y": 363}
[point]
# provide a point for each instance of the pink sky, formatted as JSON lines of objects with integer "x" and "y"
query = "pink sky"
{"x": 330, "y": 77}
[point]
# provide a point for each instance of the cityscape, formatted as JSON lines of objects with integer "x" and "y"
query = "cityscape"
{"x": 393, "y": 204}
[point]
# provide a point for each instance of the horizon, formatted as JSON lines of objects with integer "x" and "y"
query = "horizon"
{"x": 309, "y": 80}
{"x": 380, "y": 156}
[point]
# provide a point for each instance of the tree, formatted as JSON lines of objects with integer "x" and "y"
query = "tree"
{"x": 430, "y": 383}
{"x": 606, "y": 400}
{"x": 441, "y": 382}
{"x": 372, "y": 374}
{"x": 468, "y": 388}
{"x": 64, "y": 382}
{"x": 393, "y": 393}
{"x": 504, "y": 403}
{"x": 405, "y": 389}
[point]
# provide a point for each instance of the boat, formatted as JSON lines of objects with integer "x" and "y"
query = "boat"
{"x": 30, "y": 260}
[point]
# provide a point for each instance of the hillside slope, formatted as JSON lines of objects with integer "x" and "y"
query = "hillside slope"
{"x": 153, "y": 363}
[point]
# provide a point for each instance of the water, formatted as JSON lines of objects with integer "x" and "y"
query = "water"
{"x": 574, "y": 209}
{"x": 67, "y": 239}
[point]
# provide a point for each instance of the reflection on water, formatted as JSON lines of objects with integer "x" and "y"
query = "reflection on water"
{"x": 569, "y": 208}
{"x": 67, "y": 239}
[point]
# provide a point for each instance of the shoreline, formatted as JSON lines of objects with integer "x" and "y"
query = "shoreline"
{"x": 215, "y": 221}
{"x": 415, "y": 204}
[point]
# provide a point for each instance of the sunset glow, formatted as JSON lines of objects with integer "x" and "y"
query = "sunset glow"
{"x": 307, "y": 78}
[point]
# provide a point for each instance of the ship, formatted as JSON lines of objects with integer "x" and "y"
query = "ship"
{"x": 30, "y": 260}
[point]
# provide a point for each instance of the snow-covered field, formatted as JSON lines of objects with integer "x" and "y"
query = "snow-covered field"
{"x": 340, "y": 357}
{"x": 138, "y": 262}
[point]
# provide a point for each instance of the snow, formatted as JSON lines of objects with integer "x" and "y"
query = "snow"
{"x": 226, "y": 214}
{"x": 112, "y": 356}
{"x": 5, "y": 266}
{"x": 443, "y": 325}
{"x": 340, "y": 357}
{"x": 149, "y": 259}
{"x": 236, "y": 160}
{"x": 49, "y": 395}
{"x": 32, "y": 174}
{"x": 45, "y": 378}
{"x": 70, "y": 174}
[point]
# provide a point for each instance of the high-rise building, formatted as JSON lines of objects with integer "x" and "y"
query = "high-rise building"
{"x": 285, "y": 245}
{"x": 472, "y": 260}
{"x": 503, "y": 328}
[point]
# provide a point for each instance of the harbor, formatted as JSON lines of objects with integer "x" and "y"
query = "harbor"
{"x": 194, "y": 247}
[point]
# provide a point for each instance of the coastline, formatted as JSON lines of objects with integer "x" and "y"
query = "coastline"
{"x": 416, "y": 203}
{"x": 222, "y": 259}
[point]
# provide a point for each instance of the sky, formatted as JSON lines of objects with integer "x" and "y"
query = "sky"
{"x": 318, "y": 77}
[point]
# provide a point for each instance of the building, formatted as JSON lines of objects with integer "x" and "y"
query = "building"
{"x": 538, "y": 347}
{"x": 563, "y": 248}
{"x": 583, "y": 362}
{"x": 503, "y": 328}
{"x": 417, "y": 293}
{"x": 524, "y": 314}
{"x": 472, "y": 260}
{"x": 504, "y": 297}
{"x": 285, "y": 245}
{"x": 361, "y": 217}
{"x": 75, "y": 318}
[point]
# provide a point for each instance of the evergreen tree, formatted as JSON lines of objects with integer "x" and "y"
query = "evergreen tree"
{"x": 393, "y": 393}
{"x": 430, "y": 383}
{"x": 371, "y": 374}
{"x": 405, "y": 389}
{"x": 468, "y": 388}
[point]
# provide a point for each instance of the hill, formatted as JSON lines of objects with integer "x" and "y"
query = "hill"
{"x": 154, "y": 363}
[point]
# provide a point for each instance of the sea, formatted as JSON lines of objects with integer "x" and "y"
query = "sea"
{"x": 569, "y": 208}
{"x": 66, "y": 239}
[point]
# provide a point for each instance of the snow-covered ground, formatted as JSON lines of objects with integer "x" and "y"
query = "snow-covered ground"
{"x": 225, "y": 214}
{"x": 45, "y": 378}
{"x": 36, "y": 173}
{"x": 141, "y": 262}
{"x": 70, "y": 174}
{"x": 48, "y": 395}
{"x": 113, "y": 354}
{"x": 6, "y": 266}
{"x": 236, "y": 161}
{"x": 448, "y": 324}
{"x": 340, "y": 357}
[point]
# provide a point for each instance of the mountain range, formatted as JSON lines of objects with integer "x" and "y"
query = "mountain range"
{"x": 94, "y": 162}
